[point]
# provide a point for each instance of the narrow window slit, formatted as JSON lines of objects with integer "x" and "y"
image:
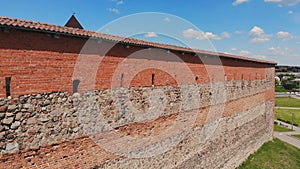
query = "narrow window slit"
{"x": 152, "y": 80}
{"x": 75, "y": 86}
{"x": 122, "y": 76}
{"x": 7, "y": 85}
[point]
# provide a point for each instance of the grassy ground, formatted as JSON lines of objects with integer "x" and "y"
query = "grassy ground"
{"x": 280, "y": 89}
{"x": 287, "y": 102}
{"x": 274, "y": 154}
{"x": 286, "y": 115}
{"x": 297, "y": 136}
{"x": 281, "y": 129}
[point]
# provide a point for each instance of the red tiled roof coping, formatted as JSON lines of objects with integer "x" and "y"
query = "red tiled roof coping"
{"x": 25, "y": 24}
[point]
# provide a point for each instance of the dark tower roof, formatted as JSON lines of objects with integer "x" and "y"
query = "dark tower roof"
{"x": 73, "y": 23}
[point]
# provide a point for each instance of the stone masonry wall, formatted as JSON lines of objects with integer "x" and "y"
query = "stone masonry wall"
{"x": 35, "y": 124}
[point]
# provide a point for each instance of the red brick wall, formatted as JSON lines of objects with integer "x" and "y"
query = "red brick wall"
{"x": 38, "y": 62}
{"x": 79, "y": 153}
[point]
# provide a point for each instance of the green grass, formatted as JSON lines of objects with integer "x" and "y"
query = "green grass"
{"x": 281, "y": 129}
{"x": 287, "y": 102}
{"x": 297, "y": 136}
{"x": 274, "y": 154}
{"x": 286, "y": 115}
{"x": 280, "y": 89}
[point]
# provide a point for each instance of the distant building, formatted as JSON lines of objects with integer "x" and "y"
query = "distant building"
{"x": 279, "y": 68}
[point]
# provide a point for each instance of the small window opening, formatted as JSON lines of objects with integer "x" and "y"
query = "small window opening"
{"x": 243, "y": 81}
{"x": 7, "y": 85}
{"x": 75, "y": 86}
{"x": 152, "y": 81}
{"x": 121, "y": 83}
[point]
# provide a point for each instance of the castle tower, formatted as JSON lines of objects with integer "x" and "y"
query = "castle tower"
{"x": 73, "y": 22}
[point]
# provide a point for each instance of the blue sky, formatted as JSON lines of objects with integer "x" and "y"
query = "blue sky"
{"x": 265, "y": 29}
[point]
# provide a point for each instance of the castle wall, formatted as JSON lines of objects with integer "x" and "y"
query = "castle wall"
{"x": 132, "y": 103}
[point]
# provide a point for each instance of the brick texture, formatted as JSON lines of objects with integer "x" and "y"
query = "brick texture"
{"x": 43, "y": 66}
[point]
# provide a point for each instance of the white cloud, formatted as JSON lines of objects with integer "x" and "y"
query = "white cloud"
{"x": 198, "y": 35}
{"x": 114, "y": 10}
{"x": 191, "y": 33}
{"x": 167, "y": 19}
{"x": 236, "y": 51}
{"x": 151, "y": 35}
{"x": 283, "y": 2}
{"x": 284, "y": 35}
{"x": 238, "y": 32}
{"x": 225, "y": 35}
{"x": 260, "y": 56}
{"x": 233, "y": 49}
{"x": 257, "y": 34}
{"x": 244, "y": 52}
{"x": 290, "y": 12}
{"x": 120, "y": 2}
{"x": 278, "y": 51}
{"x": 238, "y": 2}
{"x": 256, "y": 31}
{"x": 274, "y": 50}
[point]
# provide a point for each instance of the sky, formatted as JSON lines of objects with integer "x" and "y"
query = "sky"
{"x": 264, "y": 29}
